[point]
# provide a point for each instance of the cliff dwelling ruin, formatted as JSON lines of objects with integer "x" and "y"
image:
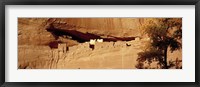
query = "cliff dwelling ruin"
{"x": 83, "y": 43}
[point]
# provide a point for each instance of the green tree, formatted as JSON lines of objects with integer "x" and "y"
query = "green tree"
{"x": 164, "y": 33}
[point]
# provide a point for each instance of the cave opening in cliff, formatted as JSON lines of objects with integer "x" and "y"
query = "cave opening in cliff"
{"x": 79, "y": 36}
{"x": 73, "y": 34}
{"x": 69, "y": 34}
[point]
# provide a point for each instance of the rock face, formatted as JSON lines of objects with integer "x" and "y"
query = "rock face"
{"x": 39, "y": 48}
{"x": 104, "y": 55}
{"x": 107, "y": 26}
{"x": 33, "y": 30}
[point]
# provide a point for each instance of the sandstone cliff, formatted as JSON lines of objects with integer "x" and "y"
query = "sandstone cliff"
{"x": 38, "y": 46}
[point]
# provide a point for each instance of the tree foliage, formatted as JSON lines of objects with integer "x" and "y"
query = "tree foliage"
{"x": 164, "y": 33}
